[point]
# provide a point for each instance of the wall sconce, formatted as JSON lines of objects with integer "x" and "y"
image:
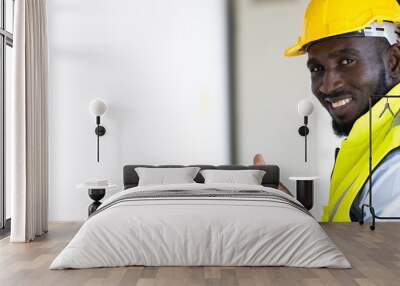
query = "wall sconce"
{"x": 97, "y": 107}
{"x": 305, "y": 108}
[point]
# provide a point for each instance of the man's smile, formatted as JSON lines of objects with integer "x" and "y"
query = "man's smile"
{"x": 339, "y": 105}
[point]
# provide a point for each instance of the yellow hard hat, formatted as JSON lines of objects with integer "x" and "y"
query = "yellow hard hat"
{"x": 328, "y": 18}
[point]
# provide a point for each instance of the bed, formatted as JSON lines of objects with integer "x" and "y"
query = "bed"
{"x": 201, "y": 224}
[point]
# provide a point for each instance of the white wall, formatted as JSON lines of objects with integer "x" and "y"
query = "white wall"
{"x": 269, "y": 88}
{"x": 160, "y": 66}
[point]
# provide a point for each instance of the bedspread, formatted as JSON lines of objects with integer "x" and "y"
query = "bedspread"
{"x": 201, "y": 225}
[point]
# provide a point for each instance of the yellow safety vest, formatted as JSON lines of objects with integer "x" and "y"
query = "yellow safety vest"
{"x": 351, "y": 169}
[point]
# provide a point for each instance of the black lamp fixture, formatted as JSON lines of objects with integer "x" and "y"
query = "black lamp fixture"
{"x": 305, "y": 108}
{"x": 97, "y": 107}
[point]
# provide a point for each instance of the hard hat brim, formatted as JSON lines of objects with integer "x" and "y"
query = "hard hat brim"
{"x": 295, "y": 50}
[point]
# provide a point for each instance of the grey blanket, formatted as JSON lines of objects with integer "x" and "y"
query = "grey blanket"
{"x": 204, "y": 194}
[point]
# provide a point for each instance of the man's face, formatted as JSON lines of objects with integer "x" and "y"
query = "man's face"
{"x": 345, "y": 72}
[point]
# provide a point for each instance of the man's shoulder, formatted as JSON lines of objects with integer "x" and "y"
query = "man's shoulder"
{"x": 385, "y": 182}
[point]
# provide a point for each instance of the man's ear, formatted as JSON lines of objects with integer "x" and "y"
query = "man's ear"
{"x": 394, "y": 62}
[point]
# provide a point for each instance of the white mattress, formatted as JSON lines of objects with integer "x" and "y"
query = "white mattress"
{"x": 200, "y": 231}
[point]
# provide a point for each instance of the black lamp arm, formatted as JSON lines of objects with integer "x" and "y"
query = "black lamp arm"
{"x": 100, "y": 131}
{"x": 304, "y": 131}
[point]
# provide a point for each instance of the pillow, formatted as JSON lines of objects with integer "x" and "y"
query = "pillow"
{"x": 248, "y": 177}
{"x": 165, "y": 176}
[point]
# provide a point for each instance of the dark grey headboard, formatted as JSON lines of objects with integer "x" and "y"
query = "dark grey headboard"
{"x": 270, "y": 179}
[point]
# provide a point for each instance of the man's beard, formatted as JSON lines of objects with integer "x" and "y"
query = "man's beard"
{"x": 343, "y": 129}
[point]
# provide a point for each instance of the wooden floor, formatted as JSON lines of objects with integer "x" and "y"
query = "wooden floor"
{"x": 375, "y": 257}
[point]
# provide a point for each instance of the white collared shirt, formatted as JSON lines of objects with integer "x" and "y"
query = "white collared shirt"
{"x": 385, "y": 188}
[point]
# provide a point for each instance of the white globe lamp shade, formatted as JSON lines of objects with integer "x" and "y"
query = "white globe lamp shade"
{"x": 97, "y": 107}
{"x": 305, "y": 107}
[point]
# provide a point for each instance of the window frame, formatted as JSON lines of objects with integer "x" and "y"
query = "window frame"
{"x": 6, "y": 39}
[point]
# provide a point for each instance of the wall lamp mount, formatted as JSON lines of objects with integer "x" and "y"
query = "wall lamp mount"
{"x": 305, "y": 108}
{"x": 97, "y": 107}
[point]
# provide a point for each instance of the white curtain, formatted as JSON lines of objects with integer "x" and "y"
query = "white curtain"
{"x": 28, "y": 122}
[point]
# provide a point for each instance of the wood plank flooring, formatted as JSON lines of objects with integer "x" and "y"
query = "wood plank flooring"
{"x": 375, "y": 257}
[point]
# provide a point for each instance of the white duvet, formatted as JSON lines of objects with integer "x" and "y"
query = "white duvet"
{"x": 200, "y": 231}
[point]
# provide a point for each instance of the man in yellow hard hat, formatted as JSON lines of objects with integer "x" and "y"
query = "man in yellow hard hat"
{"x": 353, "y": 54}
